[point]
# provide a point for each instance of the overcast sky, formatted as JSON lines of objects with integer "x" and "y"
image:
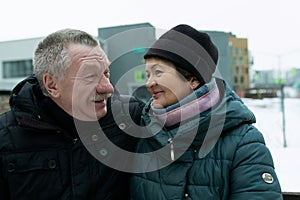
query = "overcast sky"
{"x": 272, "y": 27}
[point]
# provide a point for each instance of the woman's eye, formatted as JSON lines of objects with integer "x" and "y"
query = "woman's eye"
{"x": 107, "y": 74}
{"x": 158, "y": 72}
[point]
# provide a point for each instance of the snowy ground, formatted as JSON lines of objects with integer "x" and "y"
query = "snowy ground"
{"x": 269, "y": 122}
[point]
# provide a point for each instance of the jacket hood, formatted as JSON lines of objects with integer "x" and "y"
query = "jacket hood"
{"x": 234, "y": 110}
{"x": 23, "y": 98}
{"x": 25, "y": 104}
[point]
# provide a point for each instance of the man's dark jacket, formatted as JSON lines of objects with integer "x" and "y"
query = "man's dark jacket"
{"x": 42, "y": 157}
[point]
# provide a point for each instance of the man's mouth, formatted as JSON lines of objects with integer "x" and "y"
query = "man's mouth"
{"x": 101, "y": 97}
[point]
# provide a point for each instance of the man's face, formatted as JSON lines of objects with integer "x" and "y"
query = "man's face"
{"x": 85, "y": 88}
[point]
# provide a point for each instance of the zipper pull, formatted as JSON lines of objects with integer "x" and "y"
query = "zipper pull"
{"x": 171, "y": 149}
{"x": 75, "y": 140}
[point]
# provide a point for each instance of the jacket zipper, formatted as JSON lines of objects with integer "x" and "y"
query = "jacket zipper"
{"x": 172, "y": 153}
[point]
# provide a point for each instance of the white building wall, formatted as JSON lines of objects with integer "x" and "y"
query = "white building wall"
{"x": 13, "y": 51}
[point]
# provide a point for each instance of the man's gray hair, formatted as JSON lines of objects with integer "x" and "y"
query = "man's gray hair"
{"x": 51, "y": 54}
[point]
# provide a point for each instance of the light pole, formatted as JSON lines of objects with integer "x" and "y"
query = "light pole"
{"x": 282, "y": 108}
{"x": 283, "y": 114}
{"x": 280, "y": 81}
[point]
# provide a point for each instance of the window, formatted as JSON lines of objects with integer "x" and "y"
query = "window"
{"x": 237, "y": 70}
{"x": 241, "y": 51}
{"x": 241, "y": 60}
{"x": 236, "y": 51}
{"x": 242, "y": 79}
{"x": 234, "y": 61}
{"x": 15, "y": 69}
{"x": 235, "y": 79}
{"x": 246, "y": 70}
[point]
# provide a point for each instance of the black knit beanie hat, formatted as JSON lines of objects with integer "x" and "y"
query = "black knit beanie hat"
{"x": 188, "y": 49}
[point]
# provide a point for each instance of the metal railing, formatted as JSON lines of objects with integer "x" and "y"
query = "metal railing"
{"x": 291, "y": 195}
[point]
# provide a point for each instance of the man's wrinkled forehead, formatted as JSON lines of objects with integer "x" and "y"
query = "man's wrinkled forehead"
{"x": 96, "y": 60}
{"x": 89, "y": 67}
{"x": 97, "y": 54}
{"x": 87, "y": 58}
{"x": 82, "y": 53}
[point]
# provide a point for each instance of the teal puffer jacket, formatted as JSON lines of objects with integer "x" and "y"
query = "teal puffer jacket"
{"x": 233, "y": 163}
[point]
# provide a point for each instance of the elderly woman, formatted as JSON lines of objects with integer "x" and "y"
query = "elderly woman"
{"x": 200, "y": 139}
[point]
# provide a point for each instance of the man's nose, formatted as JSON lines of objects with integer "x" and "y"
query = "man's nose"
{"x": 104, "y": 85}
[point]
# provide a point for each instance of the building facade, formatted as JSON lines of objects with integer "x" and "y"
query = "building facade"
{"x": 15, "y": 61}
{"x": 125, "y": 46}
{"x": 239, "y": 62}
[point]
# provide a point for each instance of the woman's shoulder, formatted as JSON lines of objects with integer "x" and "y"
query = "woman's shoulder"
{"x": 247, "y": 133}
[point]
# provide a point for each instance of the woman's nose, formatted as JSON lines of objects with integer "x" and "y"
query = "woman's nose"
{"x": 150, "y": 82}
{"x": 104, "y": 85}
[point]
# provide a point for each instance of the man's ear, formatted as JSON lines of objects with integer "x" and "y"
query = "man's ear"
{"x": 194, "y": 83}
{"x": 50, "y": 83}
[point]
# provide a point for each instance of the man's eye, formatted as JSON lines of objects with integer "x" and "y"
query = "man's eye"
{"x": 91, "y": 78}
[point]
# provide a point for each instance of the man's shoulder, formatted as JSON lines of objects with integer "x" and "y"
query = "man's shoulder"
{"x": 127, "y": 100}
{"x": 128, "y": 105}
{"x": 7, "y": 123}
{"x": 7, "y": 119}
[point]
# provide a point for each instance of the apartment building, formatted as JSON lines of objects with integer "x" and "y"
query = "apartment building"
{"x": 239, "y": 62}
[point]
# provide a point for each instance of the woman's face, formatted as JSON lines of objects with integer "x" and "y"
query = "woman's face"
{"x": 166, "y": 85}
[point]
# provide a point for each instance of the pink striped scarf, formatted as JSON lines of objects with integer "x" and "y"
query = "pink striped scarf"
{"x": 190, "y": 109}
